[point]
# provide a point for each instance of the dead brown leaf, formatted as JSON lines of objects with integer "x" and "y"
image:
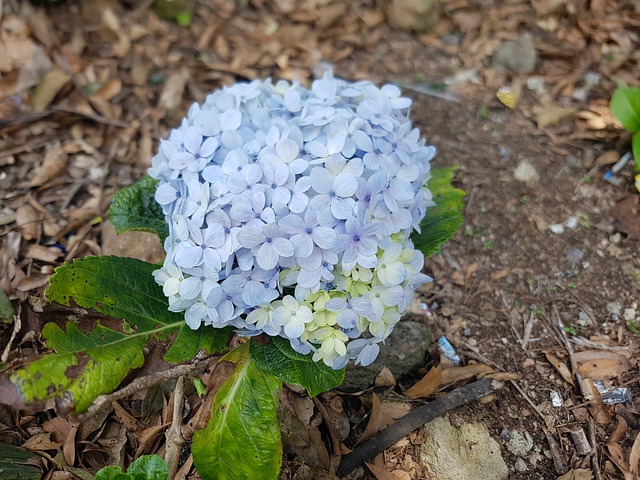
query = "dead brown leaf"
{"x": 455, "y": 374}
{"x": 601, "y": 364}
{"x": 377, "y": 467}
{"x": 53, "y": 165}
{"x": 48, "y": 88}
{"x": 375, "y": 419}
{"x": 560, "y": 367}
{"x": 549, "y": 115}
{"x": 427, "y": 385}
{"x": 626, "y": 217}
{"x": 577, "y": 474}
{"x": 385, "y": 378}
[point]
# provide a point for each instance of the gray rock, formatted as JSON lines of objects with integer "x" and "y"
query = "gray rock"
{"x": 403, "y": 352}
{"x": 519, "y": 443}
{"x": 516, "y": 56}
{"x": 464, "y": 453}
{"x": 520, "y": 465}
{"x": 526, "y": 173}
{"x": 419, "y": 15}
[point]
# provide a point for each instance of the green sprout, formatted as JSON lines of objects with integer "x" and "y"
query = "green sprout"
{"x": 625, "y": 106}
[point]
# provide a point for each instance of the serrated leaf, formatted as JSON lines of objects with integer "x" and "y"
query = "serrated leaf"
{"x": 189, "y": 342}
{"x": 14, "y": 463}
{"x": 444, "y": 219}
{"x": 135, "y": 208}
{"x": 242, "y": 437}
{"x": 91, "y": 362}
{"x": 625, "y": 105}
{"x": 278, "y": 358}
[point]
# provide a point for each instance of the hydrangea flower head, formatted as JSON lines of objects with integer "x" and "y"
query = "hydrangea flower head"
{"x": 289, "y": 213}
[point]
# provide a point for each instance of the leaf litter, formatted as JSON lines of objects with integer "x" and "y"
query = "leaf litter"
{"x": 84, "y": 102}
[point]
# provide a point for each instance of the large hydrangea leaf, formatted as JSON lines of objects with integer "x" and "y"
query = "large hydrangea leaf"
{"x": 90, "y": 360}
{"x": 241, "y": 439}
{"x": 445, "y": 218}
{"x": 279, "y": 359}
{"x": 135, "y": 208}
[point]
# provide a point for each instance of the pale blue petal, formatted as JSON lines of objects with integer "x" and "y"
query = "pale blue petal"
{"x": 251, "y": 237}
{"x": 190, "y": 288}
{"x": 345, "y": 184}
{"x": 282, "y": 247}
{"x": 188, "y": 257}
{"x": 324, "y": 237}
{"x": 303, "y": 245}
{"x": 342, "y": 208}
{"x": 266, "y": 256}
{"x": 321, "y": 180}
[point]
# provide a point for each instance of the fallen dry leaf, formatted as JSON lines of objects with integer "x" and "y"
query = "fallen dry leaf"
{"x": 549, "y": 115}
{"x": 53, "y": 165}
{"x": 427, "y": 385}
{"x": 375, "y": 419}
{"x": 626, "y": 217}
{"x": 560, "y": 367}
{"x": 455, "y": 374}
{"x": 47, "y": 89}
{"x": 601, "y": 364}
{"x": 385, "y": 378}
{"x": 577, "y": 474}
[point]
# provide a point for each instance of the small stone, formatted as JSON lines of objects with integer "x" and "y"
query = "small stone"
{"x": 520, "y": 465}
{"x": 571, "y": 223}
{"x": 517, "y": 56}
{"x": 614, "y": 308}
{"x": 527, "y": 173}
{"x": 629, "y": 314}
{"x": 519, "y": 443}
{"x": 557, "y": 228}
{"x": 419, "y": 15}
{"x": 574, "y": 256}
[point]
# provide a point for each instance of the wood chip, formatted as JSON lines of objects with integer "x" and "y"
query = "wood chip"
{"x": 43, "y": 253}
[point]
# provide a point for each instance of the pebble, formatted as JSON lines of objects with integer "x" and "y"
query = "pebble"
{"x": 614, "y": 308}
{"x": 629, "y": 314}
{"x": 557, "y": 228}
{"x": 517, "y": 56}
{"x": 419, "y": 15}
{"x": 527, "y": 173}
{"x": 519, "y": 443}
{"x": 520, "y": 465}
{"x": 571, "y": 222}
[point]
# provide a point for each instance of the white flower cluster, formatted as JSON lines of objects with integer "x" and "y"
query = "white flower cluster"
{"x": 289, "y": 213}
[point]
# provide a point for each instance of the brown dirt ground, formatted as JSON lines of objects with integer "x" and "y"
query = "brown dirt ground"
{"x": 507, "y": 291}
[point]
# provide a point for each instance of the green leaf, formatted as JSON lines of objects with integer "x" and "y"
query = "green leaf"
{"x": 93, "y": 361}
{"x": 152, "y": 467}
{"x": 83, "y": 367}
{"x": 189, "y": 342}
{"x": 635, "y": 148}
{"x": 111, "y": 473}
{"x": 6, "y": 308}
{"x": 135, "y": 208}
{"x": 625, "y": 105}
{"x": 278, "y": 358}
{"x": 14, "y": 463}
{"x": 242, "y": 437}
{"x": 443, "y": 219}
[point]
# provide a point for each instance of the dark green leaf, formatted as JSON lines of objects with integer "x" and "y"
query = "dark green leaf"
{"x": 111, "y": 473}
{"x": 189, "y": 342}
{"x": 625, "y": 105}
{"x": 14, "y": 463}
{"x": 278, "y": 358}
{"x": 135, "y": 208}
{"x": 445, "y": 218}
{"x": 242, "y": 438}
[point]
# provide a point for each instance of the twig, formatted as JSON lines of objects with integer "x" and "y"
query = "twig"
{"x": 142, "y": 383}
{"x": 413, "y": 420}
{"x": 17, "y": 325}
{"x": 175, "y": 440}
{"x": 595, "y": 458}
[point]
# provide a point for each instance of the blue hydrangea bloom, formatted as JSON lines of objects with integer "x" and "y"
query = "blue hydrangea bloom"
{"x": 290, "y": 210}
